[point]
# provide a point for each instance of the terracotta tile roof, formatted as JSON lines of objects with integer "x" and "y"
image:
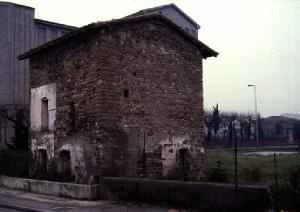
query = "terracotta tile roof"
{"x": 206, "y": 51}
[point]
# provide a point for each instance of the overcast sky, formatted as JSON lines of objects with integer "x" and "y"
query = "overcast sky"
{"x": 258, "y": 42}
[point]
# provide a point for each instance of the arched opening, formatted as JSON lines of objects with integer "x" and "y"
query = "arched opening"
{"x": 183, "y": 164}
{"x": 64, "y": 162}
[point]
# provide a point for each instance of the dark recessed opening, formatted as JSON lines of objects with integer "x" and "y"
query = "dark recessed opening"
{"x": 134, "y": 73}
{"x": 126, "y": 93}
{"x": 72, "y": 115}
{"x": 65, "y": 162}
{"x": 44, "y": 114}
{"x": 42, "y": 159}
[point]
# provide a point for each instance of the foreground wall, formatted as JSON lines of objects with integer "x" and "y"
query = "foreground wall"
{"x": 219, "y": 197}
{"x": 76, "y": 191}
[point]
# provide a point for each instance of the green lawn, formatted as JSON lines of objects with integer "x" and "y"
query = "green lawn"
{"x": 252, "y": 169}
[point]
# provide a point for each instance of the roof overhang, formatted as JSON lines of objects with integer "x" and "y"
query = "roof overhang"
{"x": 206, "y": 51}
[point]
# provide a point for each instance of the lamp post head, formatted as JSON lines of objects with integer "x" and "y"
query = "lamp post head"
{"x": 250, "y": 85}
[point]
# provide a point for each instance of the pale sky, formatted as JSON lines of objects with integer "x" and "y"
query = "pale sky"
{"x": 258, "y": 42}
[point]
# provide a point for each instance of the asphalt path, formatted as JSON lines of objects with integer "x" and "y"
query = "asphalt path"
{"x": 16, "y": 201}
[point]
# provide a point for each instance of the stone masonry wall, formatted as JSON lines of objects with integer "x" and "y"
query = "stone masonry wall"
{"x": 138, "y": 97}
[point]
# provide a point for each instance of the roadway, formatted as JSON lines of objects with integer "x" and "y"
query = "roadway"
{"x": 16, "y": 201}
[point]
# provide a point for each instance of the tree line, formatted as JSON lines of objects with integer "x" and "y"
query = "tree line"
{"x": 230, "y": 126}
{"x": 233, "y": 126}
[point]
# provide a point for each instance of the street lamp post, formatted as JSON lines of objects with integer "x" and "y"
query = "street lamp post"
{"x": 254, "y": 86}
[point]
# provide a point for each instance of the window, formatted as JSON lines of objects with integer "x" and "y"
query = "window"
{"x": 72, "y": 115}
{"x": 44, "y": 114}
{"x": 126, "y": 93}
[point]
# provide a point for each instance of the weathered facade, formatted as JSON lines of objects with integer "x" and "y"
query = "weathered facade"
{"x": 120, "y": 98}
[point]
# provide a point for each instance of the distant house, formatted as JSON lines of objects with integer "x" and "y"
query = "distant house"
{"x": 291, "y": 115}
{"x": 120, "y": 98}
{"x": 19, "y": 32}
{"x": 280, "y": 127}
{"x": 175, "y": 14}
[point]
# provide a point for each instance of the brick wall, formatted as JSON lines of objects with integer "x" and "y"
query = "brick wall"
{"x": 139, "y": 135}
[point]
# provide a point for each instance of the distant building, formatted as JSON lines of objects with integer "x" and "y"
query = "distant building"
{"x": 175, "y": 14}
{"x": 291, "y": 115}
{"x": 120, "y": 98}
{"x": 280, "y": 128}
{"x": 19, "y": 32}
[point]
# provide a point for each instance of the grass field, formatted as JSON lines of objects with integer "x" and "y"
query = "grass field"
{"x": 252, "y": 169}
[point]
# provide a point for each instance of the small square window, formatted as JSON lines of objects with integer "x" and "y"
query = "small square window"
{"x": 126, "y": 93}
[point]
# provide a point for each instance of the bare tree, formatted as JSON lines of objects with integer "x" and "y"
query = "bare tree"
{"x": 249, "y": 126}
{"x": 216, "y": 121}
{"x": 209, "y": 125}
{"x": 18, "y": 116}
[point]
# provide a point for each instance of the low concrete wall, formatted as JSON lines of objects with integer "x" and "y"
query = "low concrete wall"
{"x": 76, "y": 191}
{"x": 212, "y": 196}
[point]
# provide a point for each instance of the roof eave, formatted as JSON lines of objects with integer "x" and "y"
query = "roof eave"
{"x": 206, "y": 51}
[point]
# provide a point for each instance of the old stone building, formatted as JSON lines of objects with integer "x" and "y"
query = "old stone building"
{"x": 19, "y": 32}
{"x": 120, "y": 98}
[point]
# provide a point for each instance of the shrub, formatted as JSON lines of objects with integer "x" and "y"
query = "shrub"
{"x": 218, "y": 173}
{"x": 54, "y": 175}
{"x": 51, "y": 174}
{"x": 288, "y": 194}
{"x": 295, "y": 178}
{"x": 252, "y": 174}
{"x": 295, "y": 184}
{"x": 15, "y": 163}
{"x": 22, "y": 164}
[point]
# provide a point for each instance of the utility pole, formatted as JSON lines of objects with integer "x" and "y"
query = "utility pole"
{"x": 235, "y": 165}
{"x": 276, "y": 184}
{"x": 255, "y": 102}
{"x": 144, "y": 156}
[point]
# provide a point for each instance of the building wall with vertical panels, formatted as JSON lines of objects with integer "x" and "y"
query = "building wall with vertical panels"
{"x": 5, "y": 52}
{"x": 17, "y": 35}
{"x": 46, "y": 31}
{"x": 181, "y": 21}
{"x": 22, "y": 22}
{"x": 16, "y": 38}
{"x": 19, "y": 32}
